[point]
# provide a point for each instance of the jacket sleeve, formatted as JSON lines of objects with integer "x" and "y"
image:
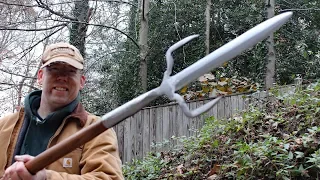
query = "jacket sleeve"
{"x": 100, "y": 160}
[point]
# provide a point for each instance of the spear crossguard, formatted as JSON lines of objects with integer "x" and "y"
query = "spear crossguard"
{"x": 169, "y": 85}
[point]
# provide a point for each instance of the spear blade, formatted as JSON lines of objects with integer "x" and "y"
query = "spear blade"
{"x": 229, "y": 50}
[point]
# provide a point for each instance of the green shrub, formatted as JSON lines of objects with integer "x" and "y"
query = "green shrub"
{"x": 279, "y": 141}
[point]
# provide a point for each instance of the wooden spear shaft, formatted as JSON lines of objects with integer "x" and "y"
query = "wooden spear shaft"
{"x": 59, "y": 150}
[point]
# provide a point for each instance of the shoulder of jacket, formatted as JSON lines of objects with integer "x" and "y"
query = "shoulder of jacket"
{"x": 92, "y": 118}
{"x": 9, "y": 117}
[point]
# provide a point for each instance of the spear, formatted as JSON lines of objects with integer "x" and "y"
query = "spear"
{"x": 168, "y": 87}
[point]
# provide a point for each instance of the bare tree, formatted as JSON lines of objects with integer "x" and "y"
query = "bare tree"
{"x": 78, "y": 31}
{"x": 26, "y": 28}
{"x": 271, "y": 56}
{"x": 14, "y": 75}
{"x": 143, "y": 43}
{"x": 207, "y": 14}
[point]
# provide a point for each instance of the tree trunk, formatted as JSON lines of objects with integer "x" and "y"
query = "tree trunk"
{"x": 78, "y": 30}
{"x": 143, "y": 43}
{"x": 207, "y": 14}
{"x": 271, "y": 56}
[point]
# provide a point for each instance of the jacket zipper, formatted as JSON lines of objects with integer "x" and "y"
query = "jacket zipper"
{"x": 58, "y": 131}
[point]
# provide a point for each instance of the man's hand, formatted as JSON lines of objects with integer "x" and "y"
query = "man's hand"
{"x": 17, "y": 171}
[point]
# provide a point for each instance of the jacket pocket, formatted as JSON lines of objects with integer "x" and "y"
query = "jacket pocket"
{"x": 69, "y": 163}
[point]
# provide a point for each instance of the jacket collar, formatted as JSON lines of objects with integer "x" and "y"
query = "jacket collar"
{"x": 80, "y": 113}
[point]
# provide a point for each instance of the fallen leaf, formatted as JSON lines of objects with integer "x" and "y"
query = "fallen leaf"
{"x": 275, "y": 125}
{"x": 213, "y": 84}
{"x": 215, "y": 169}
{"x": 222, "y": 83}
{"x": 298, "y": 141}
{"x": 205, "y": 89}
{"x": 202, "y": 78}
{"x": 209, "y": 76}
{"x": 184, "y": 90}
{"x": 179, "y": 169}
{"x": 222, "y": 88}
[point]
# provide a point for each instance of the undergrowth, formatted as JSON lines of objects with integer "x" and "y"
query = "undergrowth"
{"x": 278, "y": 141}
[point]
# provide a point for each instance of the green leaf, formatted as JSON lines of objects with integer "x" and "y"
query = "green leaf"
{"x": 299, "y": 154}
{"x": 290, "y": 156}
{"x": 215, "y": 143}
{"x": 286, "y": 146}
{"x": 285, "y": 178}
{"x": 305, "y": 54}
{"x": 301, "y": 167}
{"x": 312, "y": 160}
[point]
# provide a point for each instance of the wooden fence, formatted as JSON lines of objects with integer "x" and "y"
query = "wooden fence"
{"x": 138, "y": 133}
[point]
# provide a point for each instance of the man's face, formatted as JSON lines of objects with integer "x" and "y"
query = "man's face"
{"x": 60, "y": 84}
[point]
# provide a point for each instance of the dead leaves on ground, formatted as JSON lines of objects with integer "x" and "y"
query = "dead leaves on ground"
{"x": 210, "y": 86}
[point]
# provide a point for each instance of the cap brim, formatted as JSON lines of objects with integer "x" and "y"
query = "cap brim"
{"x": 70, "y": 61}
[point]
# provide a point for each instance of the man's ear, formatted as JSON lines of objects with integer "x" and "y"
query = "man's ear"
{"x": 82, "y": 81}
{"x": 40, "y": 76}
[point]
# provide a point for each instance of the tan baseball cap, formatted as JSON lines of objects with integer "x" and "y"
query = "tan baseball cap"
{"x": 62, "y": 52}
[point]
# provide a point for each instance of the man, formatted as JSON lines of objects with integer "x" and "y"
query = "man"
{"x": 52, "y": 115}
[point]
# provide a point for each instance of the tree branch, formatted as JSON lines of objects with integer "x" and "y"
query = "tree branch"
{"x": 15, "y": 74}
{"x": 15, "y": 4}
{"x": 31, "y": 6}
{"x": 117, "y": 1}
{"x": 31, "y": 47}
{"x": 41, "y": 5}
{"x": 45, "y": 6}
{"x": 13, "y": 84}
{"x": 100, "y": 25}
{"x": 37, "y": 29}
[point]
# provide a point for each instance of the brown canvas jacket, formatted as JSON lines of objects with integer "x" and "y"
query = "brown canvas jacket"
{"x": 97, "y": 159}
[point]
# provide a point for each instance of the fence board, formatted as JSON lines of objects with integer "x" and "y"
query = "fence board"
{"x": 139, "y": 138}
{"x": 247, "y": 102}
{"x": 173, "y": 124}
{"x": 120, "y": 134}
{"x": 227, "y": 107}
{"x": 180, "y": 123}
{"x": 192, "y": 127}
{"x": 234, "y": 104}
{"x": 166, "y": 125}
{"x": 132, "y": 136}
{"x": 187, "y": 125}
{"x": 159, "y": 131}
{"x": 146, "y": 131}
{"x": 214, "y": 111}
{"x": 241, "y": 101}
{"x": 220, "y": 110}
{"x": 201, "y": 118}
{"x": 153, "y": 125}
{"x": 126, "y": 141}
